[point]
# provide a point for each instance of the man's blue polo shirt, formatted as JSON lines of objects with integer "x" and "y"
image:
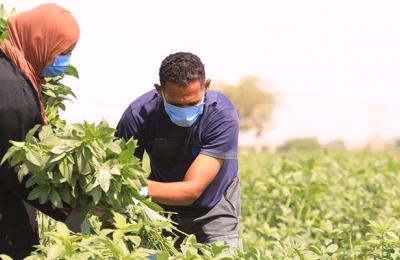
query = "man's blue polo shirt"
{"x": 172, "y": 148}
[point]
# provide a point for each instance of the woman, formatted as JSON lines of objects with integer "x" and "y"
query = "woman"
{"x": 39, "y": 45}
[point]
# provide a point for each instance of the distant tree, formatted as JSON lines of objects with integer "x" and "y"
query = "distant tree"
{"x": 338, "y": 145}
{"x": 254, "y": 101}
{"x": 397, "y": 143}
{"x": 301, "y": 144}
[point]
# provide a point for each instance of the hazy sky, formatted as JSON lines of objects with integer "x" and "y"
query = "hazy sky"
{"x": 335, "y": 63}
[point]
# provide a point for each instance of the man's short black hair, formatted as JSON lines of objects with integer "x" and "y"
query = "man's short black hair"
{"x": 181, "y": 68}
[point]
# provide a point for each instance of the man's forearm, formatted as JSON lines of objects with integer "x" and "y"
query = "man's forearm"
{"x": 200, "y": 174}
{"x": 182, "y": 193}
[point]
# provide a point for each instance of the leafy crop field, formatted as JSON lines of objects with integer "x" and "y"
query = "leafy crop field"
{"x": 327, "y": 206}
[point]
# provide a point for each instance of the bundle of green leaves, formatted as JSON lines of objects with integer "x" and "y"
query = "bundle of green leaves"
{"x": 81, "y": 165}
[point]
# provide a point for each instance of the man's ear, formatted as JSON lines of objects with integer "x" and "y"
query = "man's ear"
{"x": 207, "y": 85}
{"x": 158, "y": 88}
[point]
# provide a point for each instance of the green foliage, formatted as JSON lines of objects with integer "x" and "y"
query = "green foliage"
{"x": 55, "y": 94}
{"x": 80, "y": 165}
{"x": 254, "y": 104}
{"x": 301, "y": 145}
{"x": 136, "y": 234}
{"x": 4, "y": 15}
{"x": 329, "y": 206}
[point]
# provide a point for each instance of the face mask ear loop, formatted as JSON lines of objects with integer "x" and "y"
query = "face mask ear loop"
{"x": 163, "y": 96}
{"x": 204, "y": 96}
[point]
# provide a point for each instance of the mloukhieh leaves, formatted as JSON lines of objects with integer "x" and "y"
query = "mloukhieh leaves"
{"x": 78, "y": 165}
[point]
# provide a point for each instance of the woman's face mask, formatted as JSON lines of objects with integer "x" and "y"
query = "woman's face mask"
{"x": 60, "y": 65}
{"x": 184, "y": 116}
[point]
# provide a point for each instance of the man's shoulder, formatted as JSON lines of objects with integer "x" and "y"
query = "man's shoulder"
{"x": 219, "y": 105}
{"x": 137, "y": 115}
{"x": 148, "y": 101}
{"x": 141, "y": 109}
{"x": 218, "y": 100}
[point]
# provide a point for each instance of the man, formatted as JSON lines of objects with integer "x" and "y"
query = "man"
{"x": 191, "y": 136}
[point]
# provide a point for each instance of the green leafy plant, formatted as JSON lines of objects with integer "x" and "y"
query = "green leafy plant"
{"x": 4, "y": 15}
{"x": 325, "y": 206}
{"x": 79, "y": 165}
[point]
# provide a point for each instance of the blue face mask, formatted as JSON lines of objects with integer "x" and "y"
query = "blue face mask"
{"x": 60, "y": 65}
{"x": 184, "y": 116}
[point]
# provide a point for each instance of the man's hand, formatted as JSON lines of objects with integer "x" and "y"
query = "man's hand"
{"x": 202, "y": 171}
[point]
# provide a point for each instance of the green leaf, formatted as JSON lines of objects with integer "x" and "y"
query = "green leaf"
{"x": 92, "y": 184}
{"x": 22, "y": 172}
{"x": 55, "y": 251}
{"x": 63, "y": 168}
{"x": 78, "y": 127}
{"x": 45, "y": 132}
{"x": 328, "y": 241}
{"x": 119, "y": 221}
{"x": 104, "y": 178}
{"x": 152, "y": 205}
{"x": 30, "y": 182}
{"x": 60, "y": 149}
{"x": 162, "y": 256}
{"x": 96, "y": 150}
{"x": 332, "y": 248}
{"x": 44, "y": 196}
{"x": 78, "y": 159}
{"x": 105, "y": 232}
{"x": 134, "y": 239}
{"x": 36, "y": 192}
{"x": 34, "y": 158}
{"x": 75, "y": 192}
{"x": 5, "y": 257}
{"x": 56, "y": 158}
{"x": 18, "y": 144}
{"x": 65, "y": 194}
{"x": 62, "y": 229}
{"x": 31, "y": 133}
{"x": 85, "y": 226}
{"x": 66, "y": 169}
{"x": 18, "y": 157}
{"x": 152, "y": 215}
{"x": 55, "y": 199}
{"x": 96, "y": 194}
{"x": 115, "y": 171}
{"x": 87, "y": 157}
{"x": 3, "y": 24}
{"x": 3, "y": 12}
{"x": 9, "y": 153}
{"x": 113, "y": 147}
{"x": 72, "y": 71}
